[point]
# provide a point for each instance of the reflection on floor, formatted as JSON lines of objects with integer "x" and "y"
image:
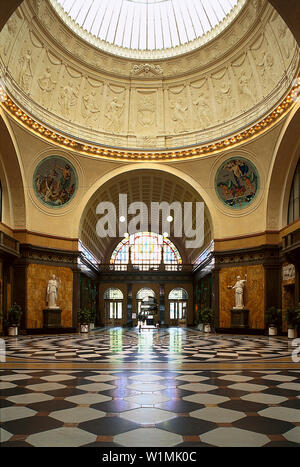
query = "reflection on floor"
{"x": 123, "y": 404}
{"x": 160, "y": 345}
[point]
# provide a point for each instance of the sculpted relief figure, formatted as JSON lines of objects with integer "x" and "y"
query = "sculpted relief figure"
{"x": 113, "y": 114}
{"x": 225, "y": 101}
{"x": 284, "y": 40}
{"x": 12, "y": 26}
{"x": 47, "y": 84}
{"x": 245, "y": 89}
{"x": 178, "y": 115}
{"x": 52, "y": 292}
{"x": 25, "y": 76}
{"x": 68, "y": 99}
{"x": 89, "y": 108}
{"x": 267, "y": 70}
{"x": 238, "y": 287}
{"x": 203, "y": 110}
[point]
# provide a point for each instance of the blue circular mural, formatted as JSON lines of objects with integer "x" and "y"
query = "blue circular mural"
{"x": 55, "y": 181}
{"x": 237, "y": 182}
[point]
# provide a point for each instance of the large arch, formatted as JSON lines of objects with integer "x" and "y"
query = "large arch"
{"x": 159, "y": 169}
{"x": 285, "y": 160}
{"x": 14, "y": 204}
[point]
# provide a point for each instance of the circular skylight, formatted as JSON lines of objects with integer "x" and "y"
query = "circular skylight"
{"x": 147, "y": 28}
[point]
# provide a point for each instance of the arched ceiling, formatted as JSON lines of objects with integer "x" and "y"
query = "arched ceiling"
{"x": 146, "y": 186}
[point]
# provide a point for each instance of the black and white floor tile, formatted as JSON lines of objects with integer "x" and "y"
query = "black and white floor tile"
{"x": 159, "y": 408}
{"x": 164, "y": 345}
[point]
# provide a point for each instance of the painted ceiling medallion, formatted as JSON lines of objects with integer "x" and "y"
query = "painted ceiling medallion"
{"x": 55, "y": 181}
{"x": 237, "y": 182}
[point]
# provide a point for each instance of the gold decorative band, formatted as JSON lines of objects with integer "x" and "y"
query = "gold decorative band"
{"x": 185, "y": 153}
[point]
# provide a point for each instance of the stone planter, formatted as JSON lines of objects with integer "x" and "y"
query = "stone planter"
{"x": 84, "y": 328}
{"x": 292, "y": 333}
{"x": 13, "y": 331}
{"x": 272, "y": 330}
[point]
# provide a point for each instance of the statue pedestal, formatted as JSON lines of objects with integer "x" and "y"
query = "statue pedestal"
{"x": 239, "y": 318}
{"x": 52, "y": 318}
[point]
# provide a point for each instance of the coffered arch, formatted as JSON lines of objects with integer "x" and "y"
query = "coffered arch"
{"x": 147, "y": 184}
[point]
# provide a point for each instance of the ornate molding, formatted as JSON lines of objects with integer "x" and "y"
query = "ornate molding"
{"x": 199, "y": 98}
{"x": 19, "y": 114}
{"x": 146, "y": 69}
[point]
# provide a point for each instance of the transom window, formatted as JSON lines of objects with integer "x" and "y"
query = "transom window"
{"x": 113, "y": 294}
{"x": 178, "y": 294}
{"x": 145, "y": 250}
{"x": 145, "y": 293}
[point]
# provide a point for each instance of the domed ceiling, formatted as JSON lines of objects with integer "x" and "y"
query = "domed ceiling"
{"x": 136, "y": 27}
{"x": 200, "y": 101}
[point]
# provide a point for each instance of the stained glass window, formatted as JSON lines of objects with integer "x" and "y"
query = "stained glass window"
{"x": 144, "y": 250}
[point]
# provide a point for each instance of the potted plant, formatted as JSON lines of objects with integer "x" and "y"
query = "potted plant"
{"x": 84, "y": 317}
{"x": 13, "y": 319}
{"x": 207, "y": 318}
{"x": 292, "y": 318}
{"x": 273, "y": 320}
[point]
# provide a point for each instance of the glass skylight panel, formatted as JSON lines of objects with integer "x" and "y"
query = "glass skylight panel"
{"x": 145, "y": 25}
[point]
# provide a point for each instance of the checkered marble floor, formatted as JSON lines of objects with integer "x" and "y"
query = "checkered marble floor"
{"x": 164, "y": 345}
{"x": 159, "y": 408}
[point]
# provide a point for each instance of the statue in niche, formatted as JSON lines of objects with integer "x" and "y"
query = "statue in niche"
{"x": 113, "y": 114}
{"x": 52, "y": 292}
{"x": 203, "y": 110}
{"x": 178, "y": 114}
{"x": 245, "y": 88}
{"x": 47, "y": 84}
{"x": 239, "y": 292}
{"x": 26, "y": 74}
{"x": 146, "y": 111}
{"x": 89, "y": 107}
{"x": 68, "y": 98}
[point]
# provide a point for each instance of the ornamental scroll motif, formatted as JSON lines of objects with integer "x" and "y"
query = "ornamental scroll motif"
{"x": 146, "y": 69}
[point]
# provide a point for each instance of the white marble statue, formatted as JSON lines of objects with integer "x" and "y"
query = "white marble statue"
{"x": 52, "y": 292}
{"x": 239, "y": 292}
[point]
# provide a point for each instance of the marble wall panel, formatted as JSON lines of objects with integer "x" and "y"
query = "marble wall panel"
{"x": 254, "y": 294}
{"x": 38, "y": 276}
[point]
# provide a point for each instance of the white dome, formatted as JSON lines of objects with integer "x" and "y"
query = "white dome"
{"x": 150, "y": 28}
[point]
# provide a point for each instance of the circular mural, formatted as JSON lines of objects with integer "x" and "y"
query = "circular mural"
{"x": 55, "y": 181}
{"x": 237, "y": 183}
